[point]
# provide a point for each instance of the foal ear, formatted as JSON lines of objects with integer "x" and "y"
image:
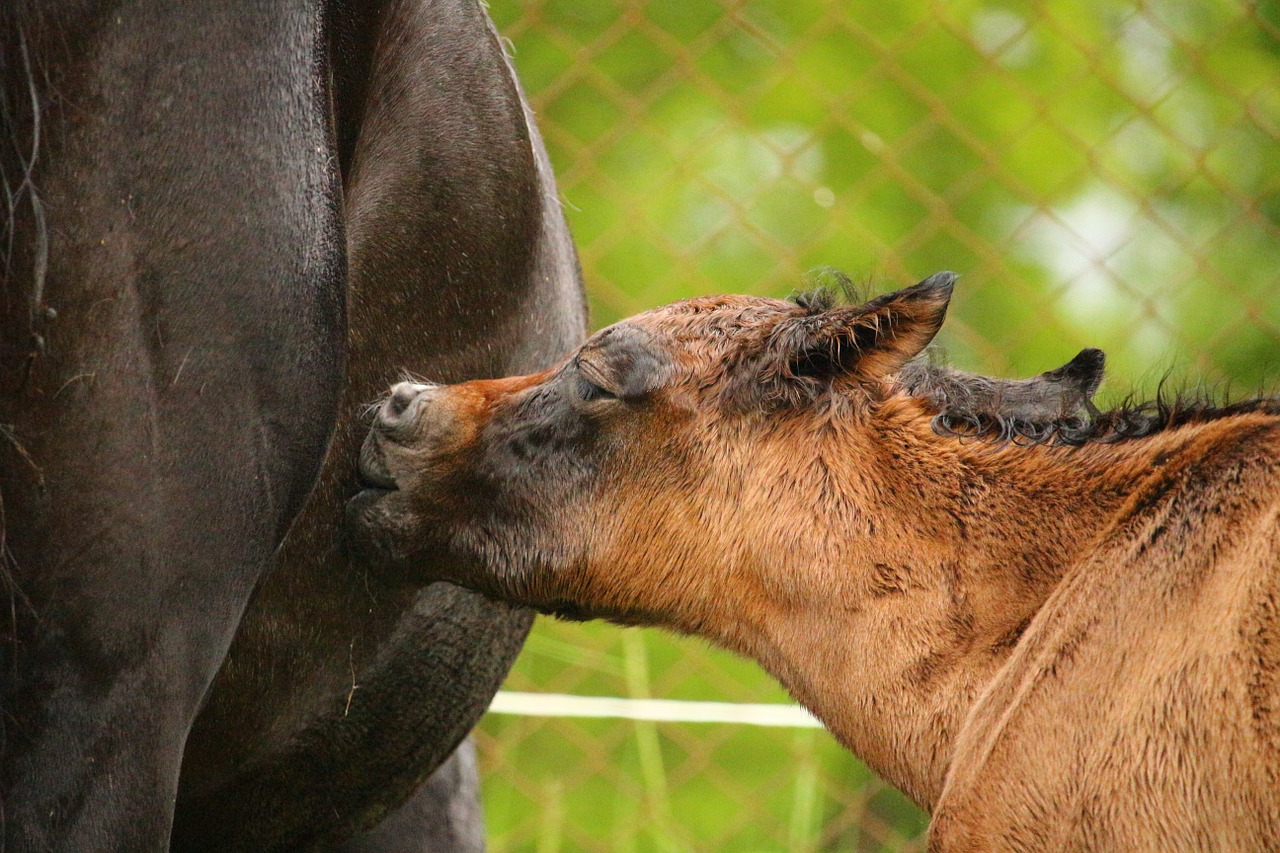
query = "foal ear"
{"x": 871, "y": 340}
{"x": 1082, "y": 373}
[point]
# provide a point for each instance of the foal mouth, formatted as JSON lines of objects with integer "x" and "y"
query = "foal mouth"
{"x": 373, "y": 470}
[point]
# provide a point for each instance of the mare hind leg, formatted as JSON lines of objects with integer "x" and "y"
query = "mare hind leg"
{"x": 170, "y": 355}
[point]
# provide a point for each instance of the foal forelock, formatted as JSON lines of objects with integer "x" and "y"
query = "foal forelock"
{"x": 723, "y": 346}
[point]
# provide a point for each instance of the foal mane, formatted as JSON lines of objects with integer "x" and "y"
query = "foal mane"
{"x": 1130, "y": 419}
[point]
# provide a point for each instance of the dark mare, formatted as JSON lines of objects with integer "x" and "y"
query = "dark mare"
{"x": 225, "y": 225}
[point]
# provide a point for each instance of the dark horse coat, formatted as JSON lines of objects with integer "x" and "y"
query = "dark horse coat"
{"x": 225, "y": 225}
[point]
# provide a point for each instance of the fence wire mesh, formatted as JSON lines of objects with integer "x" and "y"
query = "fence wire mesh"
{"x": 1101, "y": 174}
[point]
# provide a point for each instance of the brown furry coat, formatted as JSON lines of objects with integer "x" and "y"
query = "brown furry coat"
{"x": 1072, "y": 645}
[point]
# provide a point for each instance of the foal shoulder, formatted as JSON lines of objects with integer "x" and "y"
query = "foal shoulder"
{"x": 1142, "y": 705}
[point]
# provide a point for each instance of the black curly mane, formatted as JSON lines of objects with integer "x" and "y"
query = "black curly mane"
{"x": 1129, "y": 420}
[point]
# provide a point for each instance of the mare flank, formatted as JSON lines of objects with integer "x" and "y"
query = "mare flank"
{"x": 225, "y": 225}
{"x": 1068, "y": 639}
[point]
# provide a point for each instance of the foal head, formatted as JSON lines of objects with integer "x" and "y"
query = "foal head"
{"x": 716, "y": 440}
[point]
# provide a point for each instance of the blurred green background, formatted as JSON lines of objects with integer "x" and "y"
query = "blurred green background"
{"x": 1100, "y": 173}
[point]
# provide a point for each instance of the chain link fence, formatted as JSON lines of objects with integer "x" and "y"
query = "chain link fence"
{"x": 1101, "y": 174}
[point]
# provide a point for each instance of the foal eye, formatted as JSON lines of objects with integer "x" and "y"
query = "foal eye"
{"x": 589, "y": 391}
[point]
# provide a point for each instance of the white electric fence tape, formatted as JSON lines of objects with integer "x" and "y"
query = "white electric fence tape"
{"x": 658, "y": 710}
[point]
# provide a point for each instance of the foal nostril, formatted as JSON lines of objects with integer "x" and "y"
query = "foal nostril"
{"x": 402, "y": 395}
